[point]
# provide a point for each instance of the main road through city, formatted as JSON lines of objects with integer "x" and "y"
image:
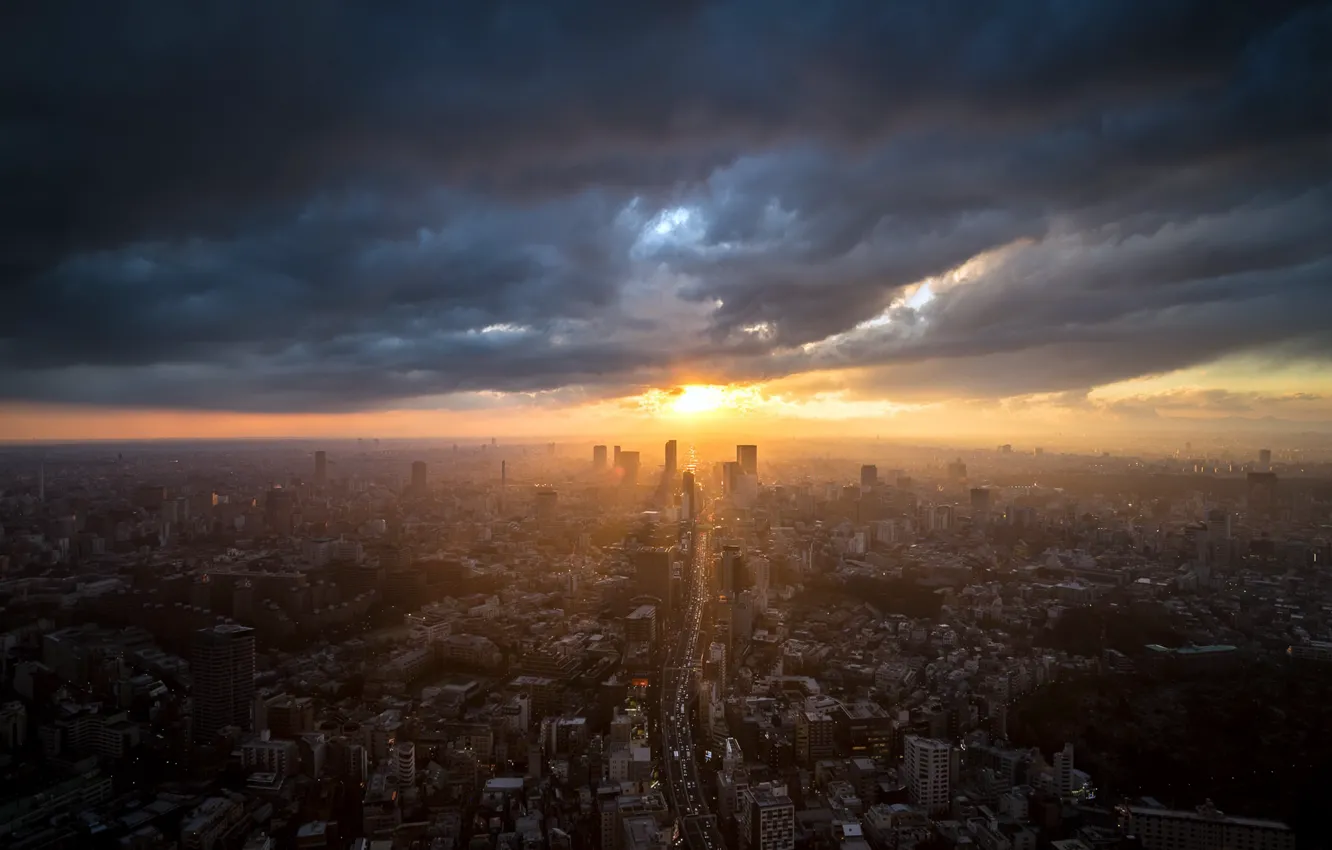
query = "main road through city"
{"x": 680, "y": 756}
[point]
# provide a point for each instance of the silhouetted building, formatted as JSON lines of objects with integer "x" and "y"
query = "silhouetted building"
{"x": 629, "y": 464}
{"x": 321, "y": 469}
{"x": 957, "y": 470}
{"x": 652, "y": 571}
{"x": 670, "y": 458}
{"x": 1264, "y": 460}
{"x": 731, "y": 472}
{"x": 688, "y": 497}
{"x": 546, "y": 501}
{"x": 279, "y": 510}
{"x": 1262, "y": 493}
{"x": 222, "y": 669}
{"x": 980, "y": 505}
{"x": 419, "y": 477}
{"x": 747, "y": 457}
{"x": 615, "y": 458}
{"x": 598, "y": 457}
{"x": 869, "y": 475}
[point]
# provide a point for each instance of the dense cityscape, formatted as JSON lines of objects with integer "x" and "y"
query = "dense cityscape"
{"x": 666, "y": 425}
{"x": 519, "y": 647}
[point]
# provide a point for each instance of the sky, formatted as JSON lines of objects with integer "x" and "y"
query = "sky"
{"x": 563, "y": 218}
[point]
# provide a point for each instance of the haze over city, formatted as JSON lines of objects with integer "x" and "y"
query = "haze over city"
{"x": 525, "y": 219}
{"x": 691, "y": 425}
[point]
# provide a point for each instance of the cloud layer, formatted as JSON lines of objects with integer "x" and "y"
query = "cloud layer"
{"x": 291, "y": 207}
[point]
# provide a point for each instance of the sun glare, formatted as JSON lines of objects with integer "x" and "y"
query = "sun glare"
{"x": 700, "y": 399}
{"x": 697, "y": 398}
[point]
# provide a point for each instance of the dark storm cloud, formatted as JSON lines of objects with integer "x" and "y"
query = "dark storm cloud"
{"x": 320, "y": 206}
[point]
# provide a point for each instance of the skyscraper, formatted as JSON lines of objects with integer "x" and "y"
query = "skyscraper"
{"x": 731, "y": 472}
{"x": 546, "y": 502}
{"x": 1264, "y": 460}
{"x": 598, "y": 457}
{"x": 688, "y": 497}
{"x": 670, "y": 459}
{"x": 419, "y": 477}
{"x": 321, "y": 469}
{"x": 732, "y": 561}
{"x": 928, "y": 762}
{"x": 629, "y": 462}
{"x": 747, "y": 457}
{"x": 615, "y": 460}
{"x": 980, "y": 505}
{"x": 869, "y": 476}
{"x": 652, "y": 574}
{"x": 279, "y": 507}
{"x": 222, "y": 666}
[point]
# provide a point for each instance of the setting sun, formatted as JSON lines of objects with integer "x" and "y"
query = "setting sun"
{"x": 701, "y": 399}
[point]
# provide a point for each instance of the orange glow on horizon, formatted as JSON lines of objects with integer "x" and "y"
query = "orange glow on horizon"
{"x": 701, "y": 399}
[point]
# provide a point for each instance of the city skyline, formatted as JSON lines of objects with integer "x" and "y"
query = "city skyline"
{"x": 870, "y": 220}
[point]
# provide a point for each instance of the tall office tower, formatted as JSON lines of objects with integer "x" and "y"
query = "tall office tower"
{"x": 222, "y": 667}
{"x": 279, "y": 506}
{"x": 615, "y": 460}
{"x": 419, "y": 477}
{"x": 731, "y": 472}
{"x": 652, "y": 574}
{"x": 747, "y": 457}
{"x": 1264, "y": 460}
{"x": 928, "y": 763}
{"x": 869, "y": 476}
{"x": 321, "y": 469}
{"x": 980, "y": 505}
{"x": 766, "y": 818}
{"x": 670, "y": 459}
{"x": 688, "y": 497}
{"x": 957, "y": 470}
{"x": 630, "y": 464}
{"x": 598, "y": 457}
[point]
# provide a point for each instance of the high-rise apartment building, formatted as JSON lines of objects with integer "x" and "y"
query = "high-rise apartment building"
{"x": 321, "y": 469}
{"x": 615, "y": 459}
{"x": 928, "y": 767}
{"x": 1063, "y": 771}
{"x": 747, "y": 457}
{"x": 405, "y": 764}
{"x": 419, "y": 477}
{"x": 598, "y": 457}
{"x": 670, "y": 459}
{"x": 222, "y": 666}
{"x": 869, "y": 476}
{"x": 1264, "y": 460}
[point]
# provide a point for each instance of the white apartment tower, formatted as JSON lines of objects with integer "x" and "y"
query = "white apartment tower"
{"x": 928, "y": 762}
